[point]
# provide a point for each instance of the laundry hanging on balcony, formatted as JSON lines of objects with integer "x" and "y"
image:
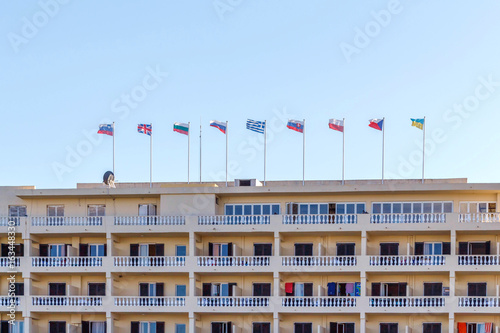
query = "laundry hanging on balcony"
{"x": 332, "y": 289}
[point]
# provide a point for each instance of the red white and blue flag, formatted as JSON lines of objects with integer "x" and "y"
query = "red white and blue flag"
{"x": 105, "y": 129}
{"x": 145, "y": 129}
{"x": 377, "y": 124}
{"x": 296, "y": 125}
{"x": 219, "y": 124}
{"x": 337, "y": 125}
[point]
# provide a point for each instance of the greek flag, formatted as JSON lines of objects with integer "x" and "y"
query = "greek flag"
{"x": 256, "y": 126}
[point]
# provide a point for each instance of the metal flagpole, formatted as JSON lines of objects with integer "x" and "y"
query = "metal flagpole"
{"x": 343, "y": 150}
{"x": 423, "y": 154}
{"x": 265, "y": 148}
{"x": 114, "y": 148}
{"x": 383, "y": 147}
{"x": 227, "y": 131}
{"x": 189, "y": 144}
{"x": 304, "y": 154}
{"x": 200, "y": 149}
{"x": 151, "y": 157}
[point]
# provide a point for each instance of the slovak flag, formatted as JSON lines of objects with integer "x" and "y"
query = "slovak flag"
{"x": 219, "y": 124}
{"x": 145, "y": 129}
{"x": 296, "y": 125}
{"x": 106, "y": 129}
{"x": 337, "y": 125}
{"x": 377, "y": 124}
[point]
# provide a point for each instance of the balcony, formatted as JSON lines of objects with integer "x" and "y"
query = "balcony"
{"x": 420, "y": 260}
{"x": 65, "y": 301}
{"x": 321, "y": 219}
{"x": 479, "y": 218}
{"x": 16, "y": 221}
{"x": 408, "y": 218}
{"x": 7, "y": 301}
{"x": 150, "y": 301}
{"x": 406, "y": 302}
{"x": 480, "y": 260}
{"x": 149, "y": 261}
{"x": 150, "y": 220}
{"x": 323, "y": 301}
{"x": 478, "y": 302}
{"x": 233, "y": 302}
{"x": 5, "y": 262}
{"x": 54, "y": 221}
{"x": 321, "y": 261}
{"x": 233, "y": 261}
{"x": 234, "y": 219}
{"x": 66, "y": 261}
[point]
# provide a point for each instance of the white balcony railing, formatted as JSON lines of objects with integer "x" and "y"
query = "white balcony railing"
{"x": 233, "y": 219}
{"x": 324, "y": 301}
{"x": 6, "y": 301}
{"x": 4, "y": 221}
{"x": 338, "y": 261}
{"x": 52, "y": 221}
{"x": 320, "y": 219}
{"x": 150, "y": 220}
{"x": 66, "y": 300}
{"x": 5, "y": 262}
{"x": 479, "y": 302}
{"x": 423, "y": 260}
{"x": 409, "y": 218}
{"x": 149, "y": 261}
{"x": 66, "y": 261}
{"x": 241, "y": 301}
{"x": 481, "y": 260}
{"x": 479, "y": 218}
{"x": 406, "y": 302}
{"x": 150, "y": 301}
{"x": 233, "y": 261}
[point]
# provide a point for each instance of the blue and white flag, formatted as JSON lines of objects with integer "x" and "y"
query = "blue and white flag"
{"x": 256, "y": 126}
{"x": 219, "y": 124}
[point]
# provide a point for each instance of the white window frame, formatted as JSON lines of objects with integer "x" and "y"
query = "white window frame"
{"x": 96, "y": 208}
{"x": 17, "y": 210}
{"x": 289, "y": 206}
{"x": 57, "y": 209}
{"x": 149, "y": 323}
{"x": 96, "y": 322}
{"x": 97, "y": 246}
{"x": 468, "y": 203}
{"x": 422, "y": 203}
{"x": 253, "y": 208}
{"x": 434, "y": 248}
{"x": 59, "y": 247}
{"x": 149, "y": 208}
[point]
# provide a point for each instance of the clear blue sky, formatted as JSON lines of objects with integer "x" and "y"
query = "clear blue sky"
{"x": 65, "y": 68}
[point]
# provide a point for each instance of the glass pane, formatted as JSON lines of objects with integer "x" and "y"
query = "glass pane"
{"x": 350, "y": 208}
{"x": 482, "y": 207}
{"x": 93, "y": 250}
{"x": 428, "y": 248}
{"x": 276, "y": 209}
{"x": 152, "y": 327}
{"x": 407, "y": 208}
{"x": 180, "y": 290}
{"x": 91, "y": 211}
{"x": 387, "y": 208}
{"x": 143, "y": 210}
{"x": 448, "y": 207}
{"x": 313, "y": 209}
{"x": 100, "y": 250}
{"x": 340, "y": 209}
{"x": 303, "y": 209}
{"x": 417, "y": 207}
{"x": 377, "y": 208}
{"x": 492, "y": 207}
{"x": 180, "y": 250}
{"x": 438, "y": 248}
{"x": 144, "y": 328}
{"x": 464, "y": 207}
{"x": 266, "y": 210}
{"x": 257, "y": 210}
{"x": 473, "y": 207}
{"x": 229, "y": 209}
{"x": 323, "y": 208}
{"x": 360, "y": 208}
{"x": 238, "y": 210}
{"x": 152, "y": 289}
{"x": 397, "y": 208}
{"x": 224, "y": 251}
{"x": 248, "y": 210}
{"x": 144, "y": 250}
{"x": 427, "y": 207}
{"x": 180, "y": 328}
{"x": 225, "y": 289}
{"x": 438, "y": 207}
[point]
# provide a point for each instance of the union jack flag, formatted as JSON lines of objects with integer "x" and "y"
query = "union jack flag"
{"x": 145, "y": 129}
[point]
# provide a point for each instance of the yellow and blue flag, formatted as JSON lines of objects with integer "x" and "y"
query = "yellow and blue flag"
{"x": 418, "y": 123}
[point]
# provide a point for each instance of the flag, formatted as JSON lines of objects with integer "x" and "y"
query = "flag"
{"x": 488, "y": 327}
{"x": 337, "y": 125}
{"x": 296, "y": 125}
{"x": 181, "y": 128}
{"x": 218, "y": 124}
{"x": 377, "y": 124}
{"x": 145, "y": 129}
{"x": 105, "y": 129}
{"x": 256, "y": 126}
{"x": 418, "y": 123}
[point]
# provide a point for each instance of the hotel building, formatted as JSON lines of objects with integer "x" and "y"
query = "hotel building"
{"x": 398, "y": 257}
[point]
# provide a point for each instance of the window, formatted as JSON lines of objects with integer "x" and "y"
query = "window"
{"x": 147, "y": 327}
{"x": 97, "y": 289}
{"x": 341, "y": 327}
{"x": 55, "y": 210}
{"x": 180, "y": 328}
{"x": 57, "y": 250}
{"x": 346, "y": 249}
{"x": 220, "y": 249}
{"x": 151, "y": 289}
{"x": 147, "y": 250}
{"x": 389, "y": 249}
{"x": 252, "y": 209}
{"x": 325, "y": 208}
{"x": 412, "y": 207}
{"x": 18, "y": 327}
{"x": 476, "y": 289}
{"x": 19, "y": 289}
{"x": 15, "y": 212}
{"x": 222, "y": 327}
{"x": 261, "y": 249}
{"x": 147, "y": 210}
{"x": 433, "y": 289}
{"x": 261, "y": 328}
{"x": 475, "y": 327}
{"x": 478, "y": 207}
{"x": 93, "y": 327}
{"x": 468, "y": 248}
{"x": 389, "y": 289}
{"x": 299, "y": 289}
{"x": 57, "y": 327}
{"x": 302, "y": 328}
{"x": 218, "y": 289}
{"x": 303, "y": 249}
{"x": 388, "y": 328}
{"x": 343, "y": 289}
{"x": 96, "y": 210}
{"x": 180, "y": 290}
{"x": 262, "y": 289}
{"x": 431, "y": 327}
{"x": 432, "y": 248}
{"x": 180, "y": 250}
{"x": 57, "y": 289}
{"x": 18, "y": 250}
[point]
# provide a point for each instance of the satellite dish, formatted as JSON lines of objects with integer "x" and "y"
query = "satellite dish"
{"x": 109, "y": 178}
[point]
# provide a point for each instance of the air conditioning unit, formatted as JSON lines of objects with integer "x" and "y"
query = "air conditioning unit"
{"x": 247, "y": 182}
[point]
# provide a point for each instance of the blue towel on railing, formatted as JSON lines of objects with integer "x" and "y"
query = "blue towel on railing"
{"x": 332, "y": 289}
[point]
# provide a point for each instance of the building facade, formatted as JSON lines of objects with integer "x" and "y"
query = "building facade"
{"x": 284, "y": 258}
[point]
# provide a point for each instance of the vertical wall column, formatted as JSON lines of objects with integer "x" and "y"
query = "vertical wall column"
{"x": 192, "y": 322}
{"x": 452, "y": 283}
{"x": 192, "y": 286}
{"x": 364, "y": 243}
{"x": 362, "y": 322}
{"x": 28, "y": 325}
{"x": 451, "y": 323}
{"x": 109, "y": 285}
{"x": 109, "y": 322}
{"x": 277, "y": 244}
{"x": 276, "y": 322}
{"x": 276, "y": 284}
{"x": 109, "y": 244}
{"x": 363, "y": 283}
{"x": 453, "y": 241}
{"x": 192, "y": 244}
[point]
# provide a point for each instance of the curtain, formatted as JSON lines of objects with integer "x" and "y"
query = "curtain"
{"x": 349, "y": 289}
{"x": 481, "y": 328}
{"x": 98, "y": 327}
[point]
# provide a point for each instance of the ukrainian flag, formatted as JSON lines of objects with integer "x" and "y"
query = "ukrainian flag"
{"x": 418, "y": 123}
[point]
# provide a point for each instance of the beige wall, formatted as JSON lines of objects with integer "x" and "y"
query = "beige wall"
{"x": 122, "y": 321}
{"x": 244, "y": 282}
{"x": 413, "y": 321}
{"x": 243, "y": 323}
{"x": 170, "y": 241}
{"x": 243, "y": 243}
{"x": 128, "y": 284}
{"x": 78, "y": 283}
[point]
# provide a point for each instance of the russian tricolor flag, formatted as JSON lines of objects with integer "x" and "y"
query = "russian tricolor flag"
{"x": 377, "y": 124}
{"x": 337, "y": 125}
{"x": 296, "y": 125}
{"x": 219, "y": 124}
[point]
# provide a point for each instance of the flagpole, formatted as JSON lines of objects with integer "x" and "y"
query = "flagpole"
{"x": 114, "y": 148}
{"x": 265, "y": 148}
{"x": 151, "y": 157}
{"x": 189, "y": 144}
{"x": 304, "y": 154}
{"x": 343, "y": 151}
{"x": 227, "y": 132}
{"x": 423, "y": 154}
{"x": 383, "y": 147}
{"x": 200, "y": 150}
